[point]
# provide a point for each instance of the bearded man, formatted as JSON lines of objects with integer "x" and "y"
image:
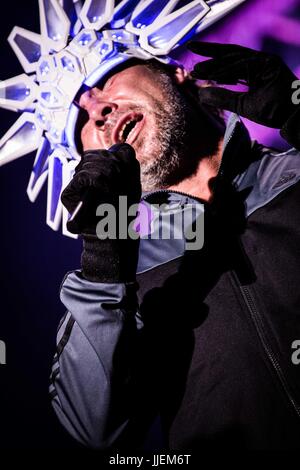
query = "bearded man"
{"x": 199, "y": 341}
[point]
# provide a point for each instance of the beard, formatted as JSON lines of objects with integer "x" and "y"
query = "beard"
{"x": 169, "y": 149}
{"x": 184, "y": 135}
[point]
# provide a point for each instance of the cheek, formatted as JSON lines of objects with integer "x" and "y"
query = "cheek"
{"x": 92, "y": 139}
{"x": 84, "y": 132}
{"x": 88, "y": 131}
{"x": 148, "y": 145}
{"x": 87, "y": 136}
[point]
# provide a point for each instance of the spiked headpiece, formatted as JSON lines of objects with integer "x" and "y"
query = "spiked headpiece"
{"x": 78, "y": 45}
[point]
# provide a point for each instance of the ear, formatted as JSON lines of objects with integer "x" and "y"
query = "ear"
{"x": 180, "y": 75}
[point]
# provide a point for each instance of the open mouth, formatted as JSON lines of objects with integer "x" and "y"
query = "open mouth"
{"x": 127, "y": 129}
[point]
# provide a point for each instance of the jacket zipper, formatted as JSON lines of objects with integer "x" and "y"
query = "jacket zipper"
{"x": 258, "y": 324}
{"x": 167, "y": 191}
{"x": 254, "y": 313}
{"x": 248, "y": 299}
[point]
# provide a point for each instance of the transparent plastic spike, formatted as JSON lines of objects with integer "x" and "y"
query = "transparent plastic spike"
{"x": 69, "y": 7}
{"x": 149, "y": 11}
{"x": 18, "y": 93}
{"x": 218, "y": 10}
{"x": 46, "y": 69}
{"x": 123, "y": 12}
{"x": 56, "y": 162}
{"x": 50, "y": 97}
{"x": 68, "y": 63}
{"x": 160, "y": 37}
{"x": 39, "y": 171}
{"x": 78, "y": 25}
{"x": 22, "y": 138}
{"x": 55, "y": 25}
{"x": 96, "y": 13}
{"x": 27, "y": 46}
{"x": 83, "y": 42}
{"x": 68, "y": 172}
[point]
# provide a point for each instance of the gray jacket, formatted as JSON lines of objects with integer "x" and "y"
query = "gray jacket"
{"x": 94, "y": 381}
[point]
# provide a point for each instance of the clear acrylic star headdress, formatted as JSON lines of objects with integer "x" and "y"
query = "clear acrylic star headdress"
{"x": 78, "y": 45}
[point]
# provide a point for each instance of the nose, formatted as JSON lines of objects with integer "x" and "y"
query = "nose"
{"x": 97, "y": 109}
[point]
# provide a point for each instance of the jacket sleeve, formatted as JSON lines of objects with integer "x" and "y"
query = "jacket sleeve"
{"x": 92, "y": 371}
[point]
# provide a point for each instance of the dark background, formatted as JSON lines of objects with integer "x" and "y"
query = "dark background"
{"x": 34, "y": 259}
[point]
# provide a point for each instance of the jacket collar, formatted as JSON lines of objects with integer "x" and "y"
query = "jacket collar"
{"x": 236, "y": 157}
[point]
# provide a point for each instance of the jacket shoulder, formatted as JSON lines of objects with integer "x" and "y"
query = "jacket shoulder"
{"x": 267, "y": 177}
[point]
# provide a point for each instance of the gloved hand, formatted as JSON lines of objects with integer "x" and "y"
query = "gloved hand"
{"x": 101, "y": 177}
{"x": 291, "y": 129}
{"x": 269, "y": 98}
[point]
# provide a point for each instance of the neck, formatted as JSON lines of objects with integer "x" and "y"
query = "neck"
{"x": 199, "y": 184}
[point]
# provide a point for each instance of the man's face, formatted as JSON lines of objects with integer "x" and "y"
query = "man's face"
{"x": 122, "y": 110}
{"x": 143, "y": 107}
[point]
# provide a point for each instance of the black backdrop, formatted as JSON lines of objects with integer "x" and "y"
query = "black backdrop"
{"x": 33, "y": 261}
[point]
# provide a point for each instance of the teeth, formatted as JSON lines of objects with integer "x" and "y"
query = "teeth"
{"x": 130, "y": 133}
{"x": 121, "y": 132}
{"x": 120, "y": 137}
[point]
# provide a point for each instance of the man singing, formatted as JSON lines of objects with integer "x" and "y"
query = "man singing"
{"x": 200, "y": 338}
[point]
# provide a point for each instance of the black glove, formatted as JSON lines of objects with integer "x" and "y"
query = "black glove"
{"x": 269, "y": 98}
{"x": 291, "y": 129}
{"x": 101, "y": 177}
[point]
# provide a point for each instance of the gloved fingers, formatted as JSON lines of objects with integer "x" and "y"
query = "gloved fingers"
{"x": 230, "y": 71}
{"x": 121, "y": 151}
{"x": 224, "y": 99}
{"x": 92, "y": 159}
{"x": 95, "y": 167}
{"x": 124, "y": 151}
{"x": 103, "y": 174}
{"x": 217, "y": 50}
{"x": 108, "y": 161}
{"x": 81, "y": 182}
{"x": 70, "y": 197}
{"x": 221, "y": 71}
{"x": 89, "y": 178}
{"x": 84, "y": 159}
{"x": 126, "y": 163}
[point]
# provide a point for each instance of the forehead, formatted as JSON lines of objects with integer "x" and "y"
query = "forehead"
{"x": 129, "y": 73}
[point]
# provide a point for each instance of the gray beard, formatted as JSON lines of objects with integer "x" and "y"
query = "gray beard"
{"x": 172, "y": 146}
